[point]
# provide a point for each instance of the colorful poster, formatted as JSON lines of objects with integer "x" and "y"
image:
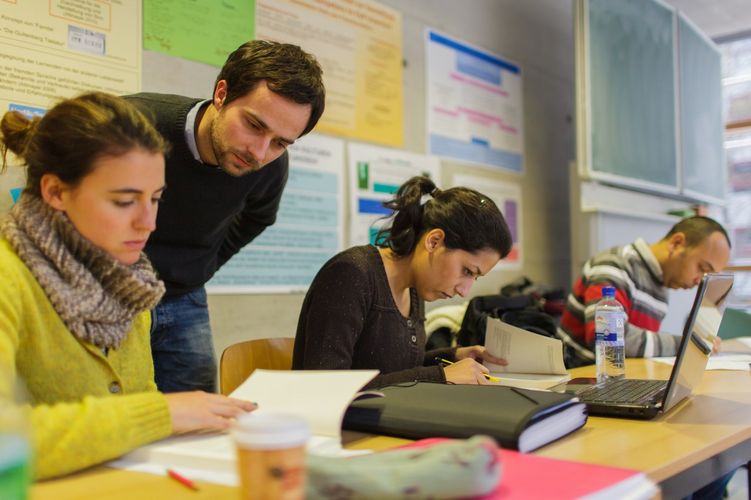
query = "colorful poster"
{"x": 309, "y": 228}
{"x": 375, "y": 175}
{"x": 52, "y": 49}
{"x": 359, "y": 46}
{"x": 508, "y": 197}
{"x": 200, "y": 30}
{"x": 474, "y": 108}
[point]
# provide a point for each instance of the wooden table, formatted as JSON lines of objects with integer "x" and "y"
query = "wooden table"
{"x": 700, "y": 439}
{"x": 106, "y": 483}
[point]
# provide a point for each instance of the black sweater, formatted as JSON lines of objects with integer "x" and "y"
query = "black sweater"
{"x": 206, "y": 215}
{"x": 349, "y": 321}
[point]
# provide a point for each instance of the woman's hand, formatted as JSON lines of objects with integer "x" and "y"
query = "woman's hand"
{"x": 202, "y": 411}
{"x": 716, "y": 344}
{"x": 466, "y": 371}
{"x": 478, "y": 352}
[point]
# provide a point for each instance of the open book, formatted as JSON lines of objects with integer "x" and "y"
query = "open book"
{"x": 320, "y": 396}
{"x": 534, "y": 361}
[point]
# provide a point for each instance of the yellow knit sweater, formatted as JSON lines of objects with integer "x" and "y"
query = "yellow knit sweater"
{"x": 86, "y": 407}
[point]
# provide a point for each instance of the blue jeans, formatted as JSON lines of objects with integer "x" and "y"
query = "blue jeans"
{"x": 713, "y": 491}
{"x": 181, "y": 344}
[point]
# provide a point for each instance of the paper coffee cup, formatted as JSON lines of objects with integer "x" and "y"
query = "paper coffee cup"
{"x": 271, "y": 455}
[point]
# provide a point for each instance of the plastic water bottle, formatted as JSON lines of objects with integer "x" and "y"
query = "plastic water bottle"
{"x": 15, "y": 444}
{"x": 610, "y": 319}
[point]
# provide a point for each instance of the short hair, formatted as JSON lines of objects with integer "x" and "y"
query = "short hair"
{"x": 287, "y": 70}
{"x": 470, "y": 220}
{"x": 72, "y": 135}
{"x": 696, "y": 229}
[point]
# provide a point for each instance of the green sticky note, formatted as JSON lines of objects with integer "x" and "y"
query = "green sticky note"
{"x": 200, "y": 30}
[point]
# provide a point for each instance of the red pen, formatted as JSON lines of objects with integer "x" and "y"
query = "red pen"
{"x": 182, "y": 479}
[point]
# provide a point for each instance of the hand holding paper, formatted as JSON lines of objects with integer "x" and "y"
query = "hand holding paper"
{"x": 479, "y": 354}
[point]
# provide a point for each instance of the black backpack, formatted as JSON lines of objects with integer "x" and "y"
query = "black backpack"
{"x": 519, "y": 310}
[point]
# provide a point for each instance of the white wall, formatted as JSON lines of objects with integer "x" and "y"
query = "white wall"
{"x": 536, "y": 34}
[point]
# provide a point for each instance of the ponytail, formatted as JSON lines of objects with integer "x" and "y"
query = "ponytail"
{"x": 470, "y": 220}
{"x": 16, "y": 129}
{"x": 406, "y": 227}
{"x": 73, "y": 134}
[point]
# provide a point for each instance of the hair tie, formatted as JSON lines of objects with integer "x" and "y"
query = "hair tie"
{"x": 435, "y": 192}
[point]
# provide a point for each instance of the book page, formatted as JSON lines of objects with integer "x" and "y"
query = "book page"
{"x": 320, "y": 396}
{"x": 526, "y": 352}
{"x": 529, "y": 380}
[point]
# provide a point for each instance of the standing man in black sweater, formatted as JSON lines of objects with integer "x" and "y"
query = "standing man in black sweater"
{"x": 225, "y": 175}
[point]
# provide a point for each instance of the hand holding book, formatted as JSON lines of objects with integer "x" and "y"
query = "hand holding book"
{"x": 476, "y": 370}
{"x": 532, "y": 360}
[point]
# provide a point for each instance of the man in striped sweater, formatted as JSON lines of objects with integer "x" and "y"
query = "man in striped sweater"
{"x": 641, "y": 274}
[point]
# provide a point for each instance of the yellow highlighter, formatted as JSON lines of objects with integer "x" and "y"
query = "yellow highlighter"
{"x": 447, "y": 362}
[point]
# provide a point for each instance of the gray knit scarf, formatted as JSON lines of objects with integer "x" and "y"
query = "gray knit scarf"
{"x": 95, "y": 295}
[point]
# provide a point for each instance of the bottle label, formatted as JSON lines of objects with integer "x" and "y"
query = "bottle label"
{"x": 608, "y": 327}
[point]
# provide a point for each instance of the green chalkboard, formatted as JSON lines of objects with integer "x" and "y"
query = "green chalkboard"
{"x": 652, "y": 100}
{"x": 632, "y": 96}
{"x": 701, "y": 113}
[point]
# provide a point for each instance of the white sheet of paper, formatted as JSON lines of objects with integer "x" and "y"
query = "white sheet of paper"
{"x": 718, "y": 361}
{"x": 321, "y": 396}
{"x": 738, "y": 344}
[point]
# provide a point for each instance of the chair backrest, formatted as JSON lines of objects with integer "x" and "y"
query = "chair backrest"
{"x": 240, "y": 360}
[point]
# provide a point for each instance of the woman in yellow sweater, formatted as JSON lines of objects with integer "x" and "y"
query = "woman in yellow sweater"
{"x": 75, "y": 287}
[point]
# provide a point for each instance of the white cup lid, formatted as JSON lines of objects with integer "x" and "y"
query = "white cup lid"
{"x": 270, "y": 431}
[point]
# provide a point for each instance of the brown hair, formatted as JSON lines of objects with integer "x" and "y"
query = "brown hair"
{"x": 470, "y": 220}
{"x": 73, "y": 134}
{"x": 287, "y": 70}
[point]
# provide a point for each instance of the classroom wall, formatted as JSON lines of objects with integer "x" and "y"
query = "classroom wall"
{"x": 537, "y": 35}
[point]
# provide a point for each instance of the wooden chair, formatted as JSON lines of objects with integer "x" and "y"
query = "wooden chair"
{"x": 239, "y": 360}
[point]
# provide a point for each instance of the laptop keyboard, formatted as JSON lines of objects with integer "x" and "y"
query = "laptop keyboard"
{"x": 623, "y": 391}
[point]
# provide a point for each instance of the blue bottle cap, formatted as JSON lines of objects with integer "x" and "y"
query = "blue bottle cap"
{"x": 608, "y": 291}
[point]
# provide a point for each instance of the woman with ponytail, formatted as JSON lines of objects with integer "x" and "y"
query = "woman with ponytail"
{"x": 76, "y": 288}
{"x": 365, "y": 308}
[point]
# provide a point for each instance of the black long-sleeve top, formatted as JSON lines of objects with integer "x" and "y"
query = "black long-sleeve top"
{"x": 206, "y": 215}
{"x": 349, "y": 320}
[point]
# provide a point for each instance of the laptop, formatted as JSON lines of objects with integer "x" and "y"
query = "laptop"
{"x": 645, "y": 399}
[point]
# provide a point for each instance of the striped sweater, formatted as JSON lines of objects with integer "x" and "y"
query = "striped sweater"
{"x": 637, "y": 277}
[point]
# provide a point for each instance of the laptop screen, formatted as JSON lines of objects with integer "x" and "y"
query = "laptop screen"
{"x": 699, "y": 331}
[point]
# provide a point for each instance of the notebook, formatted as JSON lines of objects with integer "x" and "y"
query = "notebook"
{"x": 520, "y": 419}
{"x": 646, "y": 399}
